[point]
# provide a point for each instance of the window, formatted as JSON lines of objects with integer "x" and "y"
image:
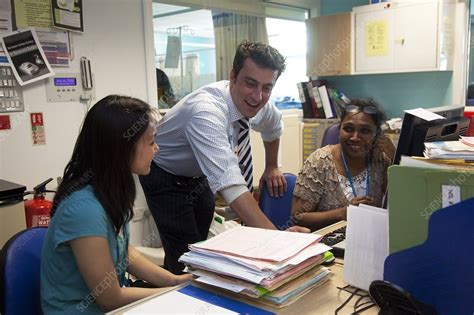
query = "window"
{"x": 193, "y": 28}
{"x": 289, "y": 37}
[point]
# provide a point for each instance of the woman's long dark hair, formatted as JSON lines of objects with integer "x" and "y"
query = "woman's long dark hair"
{"x": 103, "y": 154}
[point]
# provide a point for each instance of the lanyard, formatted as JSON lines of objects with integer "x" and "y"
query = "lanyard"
{"x": 348, "y": 174}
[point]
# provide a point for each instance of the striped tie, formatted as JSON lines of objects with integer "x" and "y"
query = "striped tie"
{"x": 244, "y": 152}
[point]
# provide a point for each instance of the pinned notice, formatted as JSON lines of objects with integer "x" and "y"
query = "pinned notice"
{"x": 37, "y": 129}
{"x": 26, "y": 56}
{"x": 376, "y": 38}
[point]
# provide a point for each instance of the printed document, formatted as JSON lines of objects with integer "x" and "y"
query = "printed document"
{"x": 270, "y": 245}
{"x": 178, "y": 303}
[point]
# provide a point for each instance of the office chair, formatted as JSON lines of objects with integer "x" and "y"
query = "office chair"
{"x": 331, "y": 135}
{"x": 278, "y": 209}
{"x": 20, "y": 261}
{"x": 394, "y": 300}
{"x": 440, "y": 271}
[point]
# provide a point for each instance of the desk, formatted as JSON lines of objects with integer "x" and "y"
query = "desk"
{"x": 321, "y": 300}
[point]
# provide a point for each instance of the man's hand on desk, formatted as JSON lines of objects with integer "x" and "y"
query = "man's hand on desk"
{"x": 297, "y": 228}
{"x": 275, "y": 181}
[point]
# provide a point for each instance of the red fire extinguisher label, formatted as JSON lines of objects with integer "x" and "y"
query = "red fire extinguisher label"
{"x": 40, "y": 220}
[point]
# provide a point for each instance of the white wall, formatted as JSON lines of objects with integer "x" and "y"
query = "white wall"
{"x": 114, "y": 42}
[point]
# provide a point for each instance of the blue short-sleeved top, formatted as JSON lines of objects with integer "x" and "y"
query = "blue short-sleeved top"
{"x": 63, "y": 291}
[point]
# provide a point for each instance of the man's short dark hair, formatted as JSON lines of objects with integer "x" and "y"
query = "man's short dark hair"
{"x": 262, "y": 54}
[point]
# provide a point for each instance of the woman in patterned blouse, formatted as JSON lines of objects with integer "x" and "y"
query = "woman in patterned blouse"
{"x": 352, "y": 172}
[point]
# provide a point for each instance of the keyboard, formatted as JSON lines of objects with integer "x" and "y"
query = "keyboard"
{"x": 335, "y": 236}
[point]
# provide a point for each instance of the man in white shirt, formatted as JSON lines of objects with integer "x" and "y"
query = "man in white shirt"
{"x": 197, "y": 158}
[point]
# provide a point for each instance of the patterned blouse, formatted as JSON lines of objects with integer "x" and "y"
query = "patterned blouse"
{"x": 319, "y": 186}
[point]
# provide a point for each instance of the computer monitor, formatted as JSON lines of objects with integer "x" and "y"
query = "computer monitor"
{"x": 416, "y": 131}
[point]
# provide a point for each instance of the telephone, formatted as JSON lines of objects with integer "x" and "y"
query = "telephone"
{"x": 72, "y": 87}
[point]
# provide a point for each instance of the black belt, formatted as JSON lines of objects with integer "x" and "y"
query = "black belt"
{"x": 182, "y": 179}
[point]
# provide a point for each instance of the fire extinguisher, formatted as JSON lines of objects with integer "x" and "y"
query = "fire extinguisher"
{"x": 38, "y": 209}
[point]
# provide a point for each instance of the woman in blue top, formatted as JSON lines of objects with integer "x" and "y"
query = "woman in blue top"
{"x": 86, "y": 251}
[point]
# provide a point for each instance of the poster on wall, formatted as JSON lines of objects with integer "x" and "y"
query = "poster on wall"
{"x": 376, "y": 38}
{"x": 67, "y": 14}
{"x": 55, "y": 46}
{"x": 5, "y": 26}
{"x": 33, "y": 13}
{"x": 26, "y": 57}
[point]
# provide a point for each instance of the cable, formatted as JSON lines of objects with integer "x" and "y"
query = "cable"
{"x": 362, "y": 304}
{"x": 361, "y": 297}
{"x": 358, "y": 306}
{"x": 353, "y": 291}
{"x": 339, "y": 263}
{"x": 347, "y": 300}
{"x": 365, "y": 308}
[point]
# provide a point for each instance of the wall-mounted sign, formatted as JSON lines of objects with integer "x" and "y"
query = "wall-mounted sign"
{"x": 37, "y": 129}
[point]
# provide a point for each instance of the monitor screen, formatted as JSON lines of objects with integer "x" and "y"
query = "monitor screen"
{"x": 416, "y": 131}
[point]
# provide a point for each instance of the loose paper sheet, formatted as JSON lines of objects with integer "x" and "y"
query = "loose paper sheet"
{"x": 177, "y": 303}
{"x": 424, "y": 114}
{"x": 270, "y": 245}
{"x": 366, "y": 245}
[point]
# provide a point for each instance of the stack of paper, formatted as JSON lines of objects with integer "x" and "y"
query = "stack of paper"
{"x": 418, "y": 161}
{"x": 274, "y": 267}
{"x": 448, "y": 150}
{"x": 467, "y": 140}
